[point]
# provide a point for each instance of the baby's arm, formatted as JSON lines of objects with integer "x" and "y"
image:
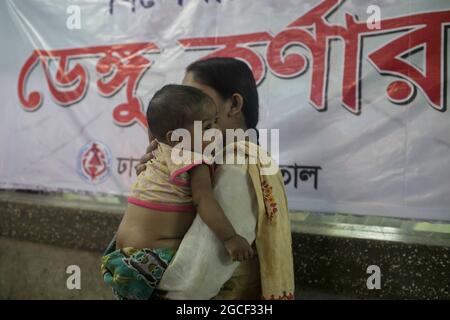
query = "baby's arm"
{"x": 213, "y": 215}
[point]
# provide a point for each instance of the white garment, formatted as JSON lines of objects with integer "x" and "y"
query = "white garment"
{"x": 201, "y": 265}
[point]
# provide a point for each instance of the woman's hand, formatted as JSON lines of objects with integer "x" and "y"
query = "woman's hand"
{"x": 140, "y": 167}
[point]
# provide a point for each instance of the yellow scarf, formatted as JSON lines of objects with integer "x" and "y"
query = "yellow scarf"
{"x": 273, "y": 234}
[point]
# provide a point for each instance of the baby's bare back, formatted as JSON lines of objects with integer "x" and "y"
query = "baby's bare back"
{"x": 146, "y": 228}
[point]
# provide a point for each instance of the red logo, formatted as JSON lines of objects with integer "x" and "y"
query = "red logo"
{"x": 94, "y": 162}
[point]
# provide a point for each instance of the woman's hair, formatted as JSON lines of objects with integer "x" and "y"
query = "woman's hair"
{"x": 173, "y": 107}
{"x": 228, "y": 76}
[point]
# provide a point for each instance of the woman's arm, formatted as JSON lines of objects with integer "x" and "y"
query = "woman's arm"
{"x": 146, "y": 157}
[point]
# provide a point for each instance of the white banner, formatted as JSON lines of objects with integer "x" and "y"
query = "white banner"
{"x": 357, "y": 88}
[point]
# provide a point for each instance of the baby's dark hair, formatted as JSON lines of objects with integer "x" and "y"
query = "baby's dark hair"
{"x": 174, "y": 106}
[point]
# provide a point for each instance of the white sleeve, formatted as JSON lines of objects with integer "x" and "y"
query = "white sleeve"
{"x": 201, "y": 265}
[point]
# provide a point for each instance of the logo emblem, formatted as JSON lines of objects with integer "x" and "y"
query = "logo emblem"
{"x": 94, "y": 162}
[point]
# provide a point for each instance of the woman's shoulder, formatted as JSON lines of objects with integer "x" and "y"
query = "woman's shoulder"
{"x": 248, "y": 153}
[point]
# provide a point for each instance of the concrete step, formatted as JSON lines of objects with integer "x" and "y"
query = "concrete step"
{"x": 41, "y": 232}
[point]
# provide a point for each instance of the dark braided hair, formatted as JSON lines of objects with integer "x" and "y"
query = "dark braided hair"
{"x": 229, "y": 76}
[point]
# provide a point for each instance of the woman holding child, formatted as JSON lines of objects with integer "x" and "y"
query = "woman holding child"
{"x": 238, "y": 245}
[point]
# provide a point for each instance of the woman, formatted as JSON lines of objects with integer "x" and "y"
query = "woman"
{"x": 230, "y": 83}
{"x": 255, "y": 204}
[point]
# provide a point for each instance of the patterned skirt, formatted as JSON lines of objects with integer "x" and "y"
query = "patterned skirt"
{"x": 134, "y": 274}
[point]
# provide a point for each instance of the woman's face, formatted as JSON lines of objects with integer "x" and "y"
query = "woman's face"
{"x": 223, "y": 106}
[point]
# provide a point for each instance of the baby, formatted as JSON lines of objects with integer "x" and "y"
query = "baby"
{"x": 166, "y": 196}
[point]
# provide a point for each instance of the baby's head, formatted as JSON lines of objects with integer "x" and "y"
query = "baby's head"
{"x": 177, "y": 106}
